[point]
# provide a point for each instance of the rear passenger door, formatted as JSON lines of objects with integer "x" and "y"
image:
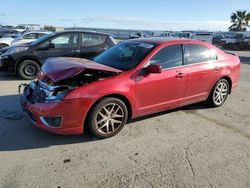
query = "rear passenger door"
{"x": 92, "y": 44}
{"x": 201, "y": 63}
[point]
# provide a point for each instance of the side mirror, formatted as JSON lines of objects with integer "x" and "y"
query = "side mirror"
{"x": 154, "y": 69}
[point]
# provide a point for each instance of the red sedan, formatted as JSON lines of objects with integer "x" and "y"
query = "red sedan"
{"x": 132, "y": 79}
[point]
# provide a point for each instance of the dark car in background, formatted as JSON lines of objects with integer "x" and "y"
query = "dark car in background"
{"x": 5, "y": 31}
{"x": 26, "y": 59}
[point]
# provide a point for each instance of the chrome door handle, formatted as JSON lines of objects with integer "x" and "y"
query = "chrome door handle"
{"x": 180, "y": 75}
{"x": 216, "y": 68}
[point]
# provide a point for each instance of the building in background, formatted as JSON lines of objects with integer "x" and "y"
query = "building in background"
{"x": 26, "y": 27}
{"x": 120, "y": 33}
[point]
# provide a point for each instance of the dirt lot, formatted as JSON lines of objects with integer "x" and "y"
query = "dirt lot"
{"x": 193, "y": 146}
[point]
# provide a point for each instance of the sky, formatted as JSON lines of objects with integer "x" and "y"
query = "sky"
{"x": 175, "y": 15}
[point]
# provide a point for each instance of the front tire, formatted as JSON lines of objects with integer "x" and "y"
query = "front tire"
{"x": 219, "y": 93}
{"x": 108, "y": 117}
{"x": 28, "y": 69}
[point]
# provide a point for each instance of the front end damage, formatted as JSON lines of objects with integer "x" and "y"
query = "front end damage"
{"x": 43, "y": 99}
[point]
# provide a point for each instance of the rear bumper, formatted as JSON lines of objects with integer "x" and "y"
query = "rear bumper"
{"x": 73, "y": 113}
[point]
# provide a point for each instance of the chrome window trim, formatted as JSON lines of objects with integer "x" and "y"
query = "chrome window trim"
{"x": 204, "y": 62}
{"x": 184, "y": 64}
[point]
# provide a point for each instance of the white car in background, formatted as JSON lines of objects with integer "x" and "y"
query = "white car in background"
{"x": 203, "y": 36}
{"x": 28, "y": 37}
{"x": 198, "y": 35}
{"x": 23, "y": 38}
{"x": 27, "y": 27}
{"x": 6, "y": 40}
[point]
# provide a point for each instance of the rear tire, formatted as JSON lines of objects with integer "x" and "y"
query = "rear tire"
{"x": 107, "y": 118}
{"x": 219, "y": 93}
{"x": 28, "y": 69}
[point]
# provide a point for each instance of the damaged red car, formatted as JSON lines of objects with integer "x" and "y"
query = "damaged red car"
{"x": 132, "y": 79}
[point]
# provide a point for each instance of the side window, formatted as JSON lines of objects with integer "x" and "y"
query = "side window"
{"x": 41, "y": 34}
{"x": 66, "y": 40}
{"x": 194, "y": 53}
{"x": 90, "y": 39}
{"x": 168, "y": 57}
{"x": 29, "y": 36}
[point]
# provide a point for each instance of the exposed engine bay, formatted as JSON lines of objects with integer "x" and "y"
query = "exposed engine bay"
{"x": 45, "y": 90}
{"x": 87, "y": 77}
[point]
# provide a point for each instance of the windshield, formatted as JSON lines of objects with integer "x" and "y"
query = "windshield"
{"x": 41, "y": 39}
{"x": 124, "y": 56}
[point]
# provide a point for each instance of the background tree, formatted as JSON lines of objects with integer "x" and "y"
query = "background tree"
{"x": 240, "y": 21}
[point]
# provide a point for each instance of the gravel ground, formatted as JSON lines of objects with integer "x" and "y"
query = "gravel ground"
{"x": 193, "y": 146}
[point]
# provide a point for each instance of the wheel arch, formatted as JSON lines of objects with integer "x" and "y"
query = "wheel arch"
{"x": 227, "y": 78}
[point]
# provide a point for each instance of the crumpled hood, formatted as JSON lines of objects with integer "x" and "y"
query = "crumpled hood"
{"x": 61, "y": 68}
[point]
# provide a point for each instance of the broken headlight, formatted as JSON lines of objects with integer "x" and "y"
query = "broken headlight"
{"x": 58, "y": 97}
{"x": 54, "y": 93}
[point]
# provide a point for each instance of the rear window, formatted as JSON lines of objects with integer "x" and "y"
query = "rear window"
{"x": 194, "y": 53}
{"x": 90, "y": 39}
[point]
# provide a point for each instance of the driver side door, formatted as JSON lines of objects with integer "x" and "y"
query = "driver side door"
{"x": 64, "y": 45}
{"x": 165, "y": 90}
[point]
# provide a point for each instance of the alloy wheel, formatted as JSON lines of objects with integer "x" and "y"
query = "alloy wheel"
{"x": 220, "y": 93}
{"x": 110, "y": 118}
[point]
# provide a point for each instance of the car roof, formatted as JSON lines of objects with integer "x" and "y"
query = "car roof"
{"x": 34, "y": 31}
{"x": 82, "y": 31}
{"x": 161, "y": 40}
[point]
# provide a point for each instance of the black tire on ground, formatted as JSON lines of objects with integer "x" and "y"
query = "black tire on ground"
{"x": 109, "y": 111}
{"x": 218, "y": 94}
{"x": 28, "y": 69}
